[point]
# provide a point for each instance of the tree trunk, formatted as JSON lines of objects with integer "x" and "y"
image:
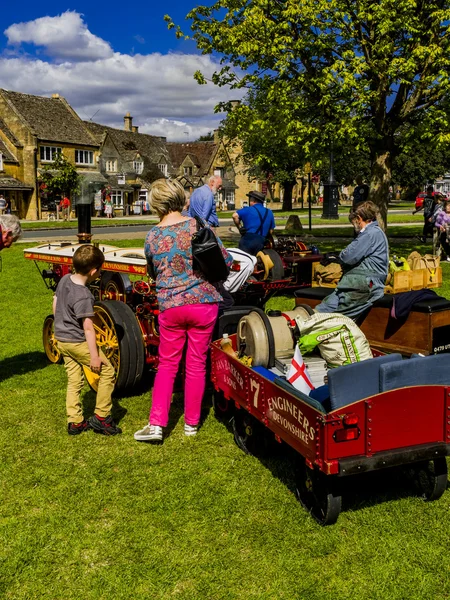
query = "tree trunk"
{"x": 288, "y": 186}
{"x": 379, "y": 184}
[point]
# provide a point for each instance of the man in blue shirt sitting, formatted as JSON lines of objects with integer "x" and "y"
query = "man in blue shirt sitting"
{"x": 257, "y": 223}
{"x": 202, "y": 203}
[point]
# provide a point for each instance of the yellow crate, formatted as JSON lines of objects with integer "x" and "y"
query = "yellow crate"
{"x": 417, "y": 279}
{"x": 432, "y": 278}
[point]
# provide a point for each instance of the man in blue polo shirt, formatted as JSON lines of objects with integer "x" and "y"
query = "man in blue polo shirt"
{"x": 257, "y": 223}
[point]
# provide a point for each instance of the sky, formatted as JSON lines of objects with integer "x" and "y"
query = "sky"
{"x": 110, "y": 58}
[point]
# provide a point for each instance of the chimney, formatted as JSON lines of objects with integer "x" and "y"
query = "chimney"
{"x": 135, "y": 129}
{"x": 55, "y": 96}
{"x": 128, "y": 122}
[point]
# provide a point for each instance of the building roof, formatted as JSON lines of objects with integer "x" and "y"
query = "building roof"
{"x": 9, "y": 134}
{"x": 11, "y": 183}
{"x": 201, "y": 154}
{"x": 129, "y": 143}
{"x": 50, "y": 119}
{"x": 7, "y": 155}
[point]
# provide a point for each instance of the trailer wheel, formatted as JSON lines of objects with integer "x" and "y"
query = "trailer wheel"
{"x": 249, "y": 434}
{"x": 316, "y": 493}
{"x": 120, "y": 338}
{"x": 48, "y": 339}
{"x": 432, "y": 478}
{"x": 223, "y": 408}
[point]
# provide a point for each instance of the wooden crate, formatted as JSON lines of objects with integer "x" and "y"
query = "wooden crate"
{"x": 432, "y": 278}
{"x": 417, "y": 279}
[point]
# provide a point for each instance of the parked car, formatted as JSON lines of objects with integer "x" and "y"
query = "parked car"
{"x": 421, "y": 196}
{"x": 419, "y": 200}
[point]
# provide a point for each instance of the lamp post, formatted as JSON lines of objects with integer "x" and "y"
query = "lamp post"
{"x": 330, "y": 193}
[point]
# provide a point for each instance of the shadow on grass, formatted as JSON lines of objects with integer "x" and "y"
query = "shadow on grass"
{"x": 20, "y": 364}
{"x": 88, "y": 402}
{"x": 358, "y": 492}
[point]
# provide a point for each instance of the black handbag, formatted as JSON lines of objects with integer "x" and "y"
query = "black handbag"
{"x": 207, "y": 256}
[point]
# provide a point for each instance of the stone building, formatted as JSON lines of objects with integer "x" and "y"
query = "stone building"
{"x": 33, "y": 129}
{"x": 129, "y": 161}
{"x": 192, "y": 163}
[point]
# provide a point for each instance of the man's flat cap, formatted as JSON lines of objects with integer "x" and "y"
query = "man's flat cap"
{"x": 258, "y": 196}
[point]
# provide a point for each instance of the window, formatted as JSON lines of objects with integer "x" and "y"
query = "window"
{"x": 229, "y": 196}
{"x": 163, "y": 169}
{"x": 219, "y": 172}
{"x": 117, "y": 198}
{"x": 84, "y": 157}
{"x": 1, "y": 161}
{"x": 143, "y": 195}
{"x": 111, "y": 166}
{"x": 48, "y": 153}
{"x": 138, "y": 166}
{"x": 188, "y": 170}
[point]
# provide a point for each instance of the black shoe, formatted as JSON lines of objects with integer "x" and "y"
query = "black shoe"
{"x": 106, "y": 425}
{"x": 77, "y": 428}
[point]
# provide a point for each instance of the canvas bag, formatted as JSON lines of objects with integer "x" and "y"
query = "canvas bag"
{"x": 207, "y": 255}
{"x": 339, "y": 340}
{"x": 427, "y": 261}
{"x": 330, "y": 273}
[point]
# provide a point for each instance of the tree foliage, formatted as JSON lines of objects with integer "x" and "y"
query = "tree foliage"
{"x": 60, "y": 177}
{"x": 363, "y": 70}
{"x": 209, "y": 137}
{"x": 260, "y": 127}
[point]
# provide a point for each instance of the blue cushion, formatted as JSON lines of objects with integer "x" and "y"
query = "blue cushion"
{"x": 265, "y": 373}
{"x": 427, "y": 370}
{"x": 288, "y": 387}
{"x": 351, "y": 383}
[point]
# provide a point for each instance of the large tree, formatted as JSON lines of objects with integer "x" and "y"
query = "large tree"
{"x": 364, "y": 69}
{"x": 259, "y": 128}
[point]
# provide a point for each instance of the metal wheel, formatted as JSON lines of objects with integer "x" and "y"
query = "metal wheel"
{"x": 249, "y": 434}
{"x": 48, "y": 339}
{"x": 223, "y": 408}
{"x": 432, "y": 478}
{"x": 119, "y": 337}
{"x": 115, "y": 286}
{"x": 316, "y": 492}
{"x": 277, "y": 271}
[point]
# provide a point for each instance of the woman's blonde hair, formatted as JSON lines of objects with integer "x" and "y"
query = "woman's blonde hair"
{"x": 167, "y": 196}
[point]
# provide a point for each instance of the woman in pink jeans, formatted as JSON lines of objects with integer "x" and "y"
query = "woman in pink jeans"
{"x": 188, "y": 310}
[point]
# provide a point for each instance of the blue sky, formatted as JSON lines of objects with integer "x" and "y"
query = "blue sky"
{"x": 108, "y": 60}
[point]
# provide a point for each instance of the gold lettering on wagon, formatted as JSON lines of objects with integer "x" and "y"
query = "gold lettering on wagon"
{"x": 279, "y": 405}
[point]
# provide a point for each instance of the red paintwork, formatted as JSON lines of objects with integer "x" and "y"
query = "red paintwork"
{"x": 393, "y": 420}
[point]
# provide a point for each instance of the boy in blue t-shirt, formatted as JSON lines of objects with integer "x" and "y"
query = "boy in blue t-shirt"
{"x": 257, "y": 223}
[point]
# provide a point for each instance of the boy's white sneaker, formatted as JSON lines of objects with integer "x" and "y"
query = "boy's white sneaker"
{"x": 150, "y": 433}
{"x": 190, "y": 429}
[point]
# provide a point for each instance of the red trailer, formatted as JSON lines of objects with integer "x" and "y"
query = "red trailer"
{"x": 405, "y": 420}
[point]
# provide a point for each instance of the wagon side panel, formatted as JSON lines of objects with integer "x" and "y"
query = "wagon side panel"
{"x": 407, "y": 417}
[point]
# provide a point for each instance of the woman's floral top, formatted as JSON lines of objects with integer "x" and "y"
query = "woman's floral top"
{"x": 170, "y": 250}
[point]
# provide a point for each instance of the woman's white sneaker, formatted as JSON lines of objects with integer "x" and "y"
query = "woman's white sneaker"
{"x": 150, "y": 433}
{"x": 190, "y": 429}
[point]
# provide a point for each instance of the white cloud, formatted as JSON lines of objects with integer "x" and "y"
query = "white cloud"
{"x": 63, "y": 37}
{"x": 157, "y": 89}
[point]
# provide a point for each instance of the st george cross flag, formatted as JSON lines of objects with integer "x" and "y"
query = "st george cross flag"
{"x": 298, "y": 374}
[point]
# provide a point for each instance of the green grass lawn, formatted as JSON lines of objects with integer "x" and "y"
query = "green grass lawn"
{"x": 95, "y": 518}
